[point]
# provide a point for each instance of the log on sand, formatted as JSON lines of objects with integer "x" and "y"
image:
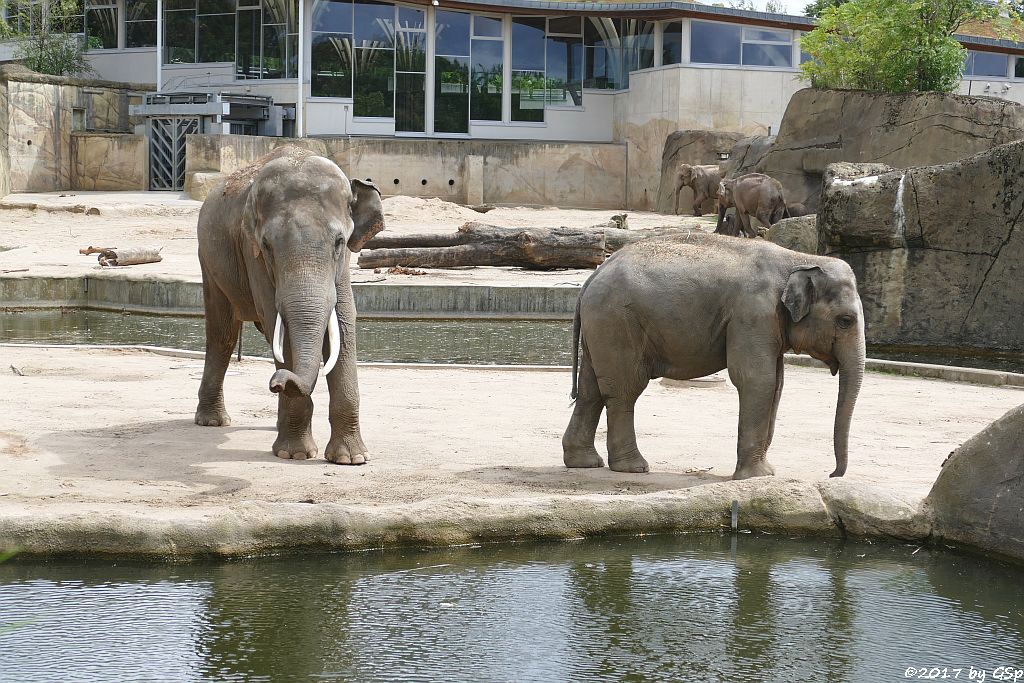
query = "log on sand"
{"x": 479, "y": 244}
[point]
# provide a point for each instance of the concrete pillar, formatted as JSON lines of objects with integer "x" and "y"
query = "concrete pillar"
{"x": 473, "y": 178}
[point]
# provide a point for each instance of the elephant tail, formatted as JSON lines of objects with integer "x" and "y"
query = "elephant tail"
{"x": 576, "y": 346}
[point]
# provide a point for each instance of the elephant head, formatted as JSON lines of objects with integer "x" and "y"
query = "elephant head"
{"x": 826, "y": 320}
{"x": 725, "y": 201}
{"x": 685, "y": 174}
{"x": 302, "y": 217}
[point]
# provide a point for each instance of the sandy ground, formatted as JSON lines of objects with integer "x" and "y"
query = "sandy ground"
{"x": 114, "y": 429}
{"x": 45, "y": 242}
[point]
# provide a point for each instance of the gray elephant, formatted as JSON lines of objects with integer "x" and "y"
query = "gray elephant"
{"x": 703, "y": 180}
{"x": 274, "y": 245}
{"x": 753, "y": 195}
{"x": 688, "y": 306}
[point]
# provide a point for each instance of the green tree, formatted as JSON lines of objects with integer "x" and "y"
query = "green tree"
{"x": 49, "y": 37}
{"x": 818, "y": 6}
{"x": 890, "y": 45}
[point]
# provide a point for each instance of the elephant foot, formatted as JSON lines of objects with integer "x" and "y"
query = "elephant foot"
{"x": 757, "y": 468}
{"x": 212, "y": 417}
{"x": 582, "y": 457}
{"x": 295, "y": 448}
{"x": 630, "y": 462}
{"x": 347, "y": 451}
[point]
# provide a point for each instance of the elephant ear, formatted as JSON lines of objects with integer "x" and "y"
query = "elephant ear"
{"x": 249, "y": 223}
{"x": 367, "y": 214}
{"x": 801, "y": 291}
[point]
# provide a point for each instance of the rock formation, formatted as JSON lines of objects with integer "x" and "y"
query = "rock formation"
{"x": 978, "y": 498}
{"x": 798, "y": 234}
{"x": 937, "y": 250}
{"x": 821, "y": 127}
{"x": 694, "y": 147}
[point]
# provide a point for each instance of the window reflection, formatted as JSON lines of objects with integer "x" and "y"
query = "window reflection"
{"x": 528, "y": 77}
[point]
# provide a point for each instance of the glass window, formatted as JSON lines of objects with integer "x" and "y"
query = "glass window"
{"x": 140, "y": 23}
{"x": 101, "y": 24}
{"x": 486, "y": 27}
{"x": 452, "y": 33}
{"x": 332, "y": 16}
{"x": 410, "y": 19}
{"x": 373, "y": 90}
{"x": 331, "y": 65}
{"x": 216, "y": 37}
{"x": 1018, "y": 67}
{"x": 451, "y": 72}
{"x": 638, "y": 41}
{"x": 672, "y": 43}
{"x": 565, "y": 25}
{"x": 764, "y": 35}
{"x": 564, "y": 71}
{"x": 180, "y": 37}
{"x": 528, "y": 79}
{"x": 712, "y": 43}
{"x": 411, "y": 52}
{"x": 985, "y": 64}
{"x": 488, "y": 65}
{"x": 374, "y": 24}
{"x": 275, "y": 52}
{"x": 247, "y": 56}
{"x": 410, "y": 102}
{"x": 604, "y": 63}
{"x": 767, "y": 47}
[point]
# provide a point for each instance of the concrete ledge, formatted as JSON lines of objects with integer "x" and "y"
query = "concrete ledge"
{"x": 255, "y": 528}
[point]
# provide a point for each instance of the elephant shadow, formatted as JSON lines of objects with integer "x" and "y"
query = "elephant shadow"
{"x": 157, "y": 452}
{"x": 558, "y": 479}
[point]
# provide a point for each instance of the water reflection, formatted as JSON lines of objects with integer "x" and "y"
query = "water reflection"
{"x": 653, "y": 609}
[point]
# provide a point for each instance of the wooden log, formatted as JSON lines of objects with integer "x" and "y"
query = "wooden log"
{"x": 488, "y": 245}
{"x": 130, "y": 256}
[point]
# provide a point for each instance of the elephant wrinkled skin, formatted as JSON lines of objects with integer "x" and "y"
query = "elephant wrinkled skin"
{"x": 688, "y": 306}
{"x": 275, "y": 240}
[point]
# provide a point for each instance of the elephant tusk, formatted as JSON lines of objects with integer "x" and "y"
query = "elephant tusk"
{"x": 279, "y": 340}
{"x": 334, "y": 339}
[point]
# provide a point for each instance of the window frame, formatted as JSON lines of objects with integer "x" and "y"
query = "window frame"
{"x": 740, "y": 65}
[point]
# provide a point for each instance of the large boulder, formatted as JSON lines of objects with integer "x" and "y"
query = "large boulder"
{"x": 695, "y": 147}
{"x": 978, "y": 498}
{"x": 798, "y": 234}
{"x": 821, "y": 127}
{"x": 746, "y": 155}
{"x": 937, "y": 250}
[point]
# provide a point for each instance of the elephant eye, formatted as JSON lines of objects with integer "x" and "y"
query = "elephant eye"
{"x": 844, "y": 321}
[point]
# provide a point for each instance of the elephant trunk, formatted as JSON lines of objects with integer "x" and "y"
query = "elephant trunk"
{"x": 851, "y": 375}
{"x": 306, "y": 323}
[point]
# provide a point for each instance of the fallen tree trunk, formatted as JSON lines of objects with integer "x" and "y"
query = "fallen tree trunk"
{"x": 480, "y": 244}
{"x": 477, "y": 244}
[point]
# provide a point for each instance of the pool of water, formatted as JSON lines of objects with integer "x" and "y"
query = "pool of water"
{"x": 514, "y": 342}
{"x": 493, "y": 342}
{"x": 701, "y": 608}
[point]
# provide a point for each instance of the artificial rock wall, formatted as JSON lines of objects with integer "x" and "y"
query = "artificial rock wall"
{"x": 42, "y": 134}
{"x": 821, "y": 127}
{"x": 938, "y": 250}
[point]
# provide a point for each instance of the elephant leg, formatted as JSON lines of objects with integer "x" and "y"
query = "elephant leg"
{"x": 744, "y": 223}
{"x": 698, "y": 199}
{"x": 623, "y": 454}
{"x": 222, "y": 331}
{"x": 758, "y": 385}
{"x": 578, "y": 441}
{"x": 346, "y": 446}
{"x": 675, "y": 211}
{"x": 294, "y": 430}
{"x": 779, "y": 376}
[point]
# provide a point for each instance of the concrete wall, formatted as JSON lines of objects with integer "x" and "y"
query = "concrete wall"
{"x": 500, "y": 172}
{"x": 662, "y": 101}
{"x": 111, "y": 162}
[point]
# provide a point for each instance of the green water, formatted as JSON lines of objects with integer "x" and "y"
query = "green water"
{"x": 515, "y": 342}
{"x": 685, "y": 608}
{"x": 487, "y": 342}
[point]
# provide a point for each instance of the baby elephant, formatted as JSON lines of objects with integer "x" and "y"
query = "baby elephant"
{"x": 754, "y": 195}
{"x": 703, "y": 180}
{"x": 687, "y": 306}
